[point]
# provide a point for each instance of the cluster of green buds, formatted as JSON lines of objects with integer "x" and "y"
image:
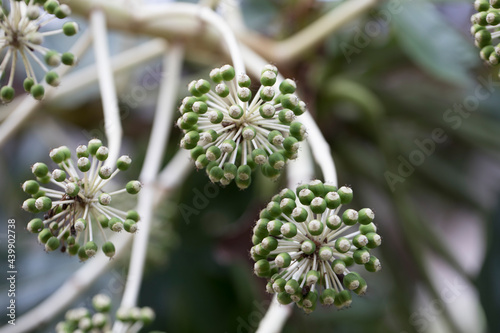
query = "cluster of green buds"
{"x": 485, "y": 29}
{"x": 81, "y": 320}
{"x": 306, "y": 248}
{"x": 20, "y": 26}
{"x": 79, "y": 207}
{"x": 229, "y": 133}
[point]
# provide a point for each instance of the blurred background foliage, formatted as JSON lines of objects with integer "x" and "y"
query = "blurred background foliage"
{"x": 374, "y": 105}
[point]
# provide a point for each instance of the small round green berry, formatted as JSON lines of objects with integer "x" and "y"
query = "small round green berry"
{"x": 40, "y": 169}
{"x": 58, "y": 175}
{"x": 70, "y": 28}
{"x": 115, "y": 224}
{"x": 133, "y": 215}
{"x": 28, "y": 84}
{"x": 262, "y": 267}
{"x": 315, "y": 227}
{"x": 283, "y": 260}
{"x": 68, "y": 59}
{"x": 94, "y": 145}
{"x": 342, "y": 245}
{"x": 52, "y": 244}
{"x": 133, "y": 187}
{"x": 109, "y": 249}
{"x": 52, "y": 78}
{"x": 35, "y": 225}
{"x": 43, "y": 204}
{"x": 308, "y": 246}
{"x": 37, "y": 91}
{"x": 7, "y": 93}
{"x": 90, "y": 249}
{"x": 365, "y": 216}
{"x": 72, "y": 189}
{"x": 130, "y": 226}
{"x": 345, "y": 194}
{"x": 350, "y": 217}
{"x": 52, "y": 58}
{"x": 31, "y": 186}
{"x": 227, "y": 72}
{"x": 102, "y": 153}
{"x": 373, "y": 265}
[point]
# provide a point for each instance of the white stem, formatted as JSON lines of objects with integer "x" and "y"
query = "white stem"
{"x": 107, "y": 87}
{"x": 160, "y": 132}
{"x": 122, "y": 62}
{"x": 275, "y": 317}
{"x": 152, "y": 13}
{"x": 28, "y": 104}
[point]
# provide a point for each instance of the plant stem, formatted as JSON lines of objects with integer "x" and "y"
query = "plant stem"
{"x": 162, "y": 125}
{"x": 28, "y": 104}
{"x": 124, "y": 61}
{"x": 112, "y": 123}
{"x": 155, "y": 12}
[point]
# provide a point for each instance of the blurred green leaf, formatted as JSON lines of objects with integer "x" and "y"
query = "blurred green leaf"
{"x": 436, "y": 47}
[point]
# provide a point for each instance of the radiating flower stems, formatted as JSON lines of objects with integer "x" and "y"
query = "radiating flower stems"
{"x": 112, "y": 122}
{"x": 172, "y": 66}
{"x": 230, "y": 132}
{"x": 28, "y": 105}
{"x": 77, "y": 210}
{"x": 302, "y": 169}
{"x": 23, "y": 29}
{"x": 83, "y": 278}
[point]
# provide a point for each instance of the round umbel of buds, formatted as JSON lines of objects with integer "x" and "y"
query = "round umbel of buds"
{"x": 484, "y": 29}
{"x": 22, "y": 39}
{"x": 231, "y": 129}
{"x": 308, "y": 250}
{"x": 78, "y": 212}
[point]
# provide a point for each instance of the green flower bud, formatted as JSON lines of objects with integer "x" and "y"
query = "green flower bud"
{"x": 361, "y": 256}
{"x": 292, "y": 287}
{"x": 35, "y": 226}
{"x": 308, "y": 246}
{"x": 227, "y": 72}
{"x": 287, "y": 86}
{"x": 40, "y": 169}
{"x": 345, "y": 194}
{"x": 133, "y": 187}
{"x": 269, "y": 243}
{"x": 28, "y": 84}
{"x": 279, "y": 285}
{"x": 342, "y": 245}
{"x": 374, "y": 240}
{"x": 262, "y": 267}
{"x": 109, "y": 250}
{"x": 373, "y": 265}
{"x": 93, "y": 146}
{"x": 274, "y": 227}
{"x": 133, "y": 215}
{"x": 52, "y": 78}
{"x": 339, "y": 266}
{"x": 283, "y": 260}
{"x": 288, "y": 230}
{"x": 37, "y": 91}
{"x": 70, "y": 28}
{"x": 350, "y": 217}
{"x": 115, "y": 224}
{"x": 52, "y": 244}
{"x": 30, "y": 187}
{"x": 343, "y": 299}
{"x": 299, "y": 214}
{"x": 7, "y": 93}
{"x": 327, "y": 297}
{"x": 365, "y": 229}
{"x": 68, "y": 59}
{"x": 90, "y": 249}
{"x": 315, "y": 227}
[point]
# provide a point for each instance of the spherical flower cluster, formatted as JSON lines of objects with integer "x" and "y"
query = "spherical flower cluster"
{"x": 230, "y": 133}
{"x": 305, "y": 247}
{"x": 22, "y": 39}
{"x": 80, "y": 206}
{"x": 485, "y": 29}
{"x": 81, "y": 320}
